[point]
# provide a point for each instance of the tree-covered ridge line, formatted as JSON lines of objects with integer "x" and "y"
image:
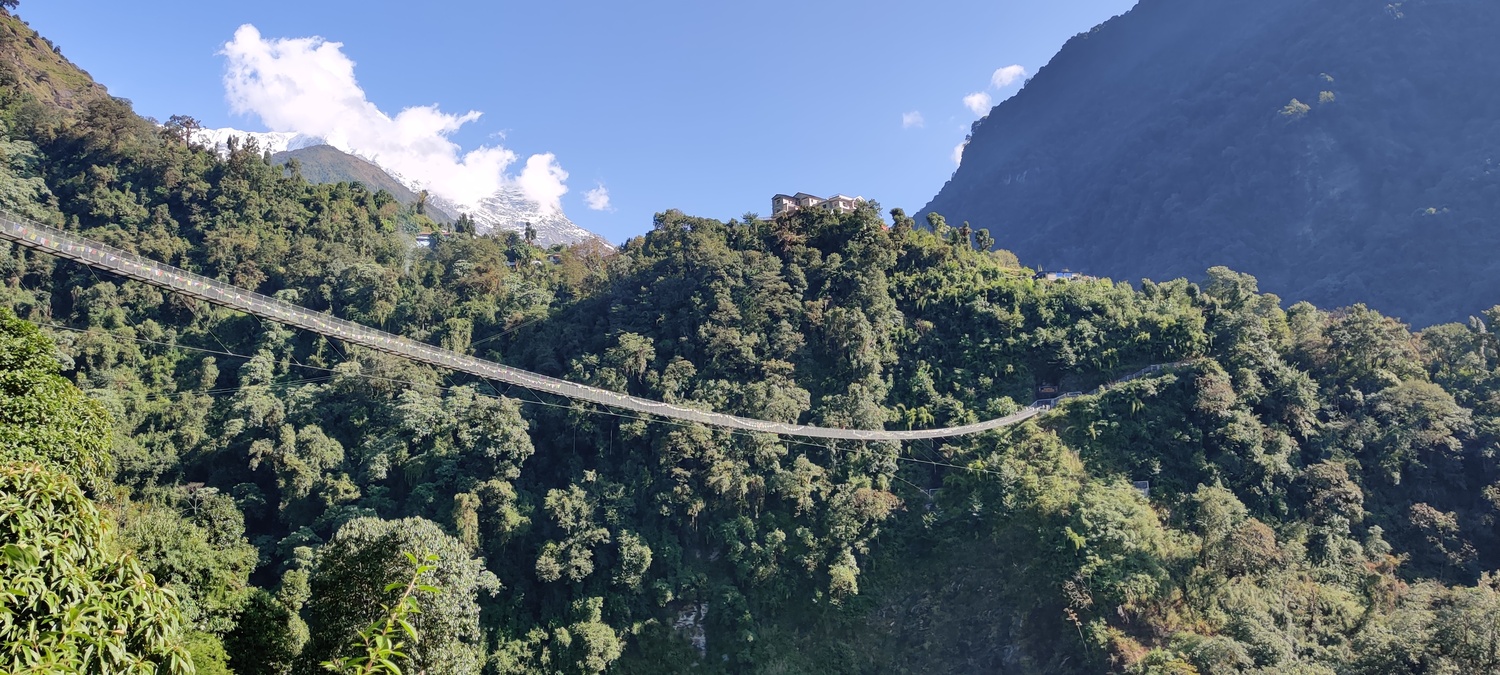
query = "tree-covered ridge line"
{"x": 1321, "y": 482}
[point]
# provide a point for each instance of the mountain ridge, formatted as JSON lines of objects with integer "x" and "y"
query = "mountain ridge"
{"x": 1319, "y": 146}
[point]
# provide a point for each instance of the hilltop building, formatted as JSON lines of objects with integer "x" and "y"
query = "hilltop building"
{"x": 1064, "y": 275}
{"x": 781, "y": 204}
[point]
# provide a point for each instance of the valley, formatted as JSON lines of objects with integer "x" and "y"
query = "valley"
{"x": 250, "y": 423}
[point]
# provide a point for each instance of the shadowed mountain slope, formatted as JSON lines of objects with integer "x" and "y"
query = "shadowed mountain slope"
{"x": 1340, "y": 151}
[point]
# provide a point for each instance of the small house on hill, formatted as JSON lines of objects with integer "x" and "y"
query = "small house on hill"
{"x": 782, "y": 204}
{"x": 1064, "y": 275}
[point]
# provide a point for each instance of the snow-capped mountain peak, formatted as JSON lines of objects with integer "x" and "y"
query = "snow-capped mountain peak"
{"x": 510, "y": 209}
{"x": 270, "y": 141}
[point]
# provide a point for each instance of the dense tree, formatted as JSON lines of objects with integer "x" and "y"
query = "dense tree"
{"x": 73, "y": 602}
{"x": 983, "y": 240}
{"x": 348, "y": 593}
{"x": 204, "y": 560}
{"x": 43, "y": 417}
{"x": 267, "y": 638}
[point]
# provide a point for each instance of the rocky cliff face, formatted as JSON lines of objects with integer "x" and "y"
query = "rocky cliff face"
{"x": 1340, "y": 151}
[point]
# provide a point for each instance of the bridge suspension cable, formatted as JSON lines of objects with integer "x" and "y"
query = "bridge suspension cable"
{"x": 96, "y": 254}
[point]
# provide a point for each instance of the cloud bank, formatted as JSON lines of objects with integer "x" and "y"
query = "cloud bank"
{"x": 912, "y": 119}
{"x": 307, "y": 86}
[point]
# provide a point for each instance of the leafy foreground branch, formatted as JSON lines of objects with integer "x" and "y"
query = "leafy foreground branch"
{"x": 381, "y": 640}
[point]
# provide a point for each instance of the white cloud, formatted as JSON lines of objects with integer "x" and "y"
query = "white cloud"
{"x": 1007, "y": 76}
{"x": 958, "y": 153}
{"x": 307, "y": 86}
{"x": 912, "y": 119}
{"x": 598, "y": 198}
{"x": 544, "y": 181}
{"x": 978, "y": 102}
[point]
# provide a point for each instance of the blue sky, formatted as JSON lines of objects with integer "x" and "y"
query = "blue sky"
{"x": 708, "y": 107}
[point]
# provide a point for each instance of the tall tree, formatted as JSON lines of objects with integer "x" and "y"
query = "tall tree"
{"x": 983, "y": 241}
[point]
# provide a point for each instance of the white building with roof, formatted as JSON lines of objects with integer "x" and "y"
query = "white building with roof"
{"x": 782, "y": 204}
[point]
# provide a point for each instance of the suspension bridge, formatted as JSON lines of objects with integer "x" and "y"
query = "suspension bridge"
{"x": 95, "y": 254}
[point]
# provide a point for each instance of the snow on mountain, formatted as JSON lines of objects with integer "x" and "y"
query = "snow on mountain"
{"x": 271, "y": 141}
{"x": 507, "y": 209}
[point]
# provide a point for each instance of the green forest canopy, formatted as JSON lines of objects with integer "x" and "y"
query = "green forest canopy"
{"x": 1322, "y": 483}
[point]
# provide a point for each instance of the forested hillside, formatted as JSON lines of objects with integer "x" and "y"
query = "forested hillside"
{"x": 1323, "y": 483}
{"x": 327, "y": 164}
{"x": 1340, "y": 151}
